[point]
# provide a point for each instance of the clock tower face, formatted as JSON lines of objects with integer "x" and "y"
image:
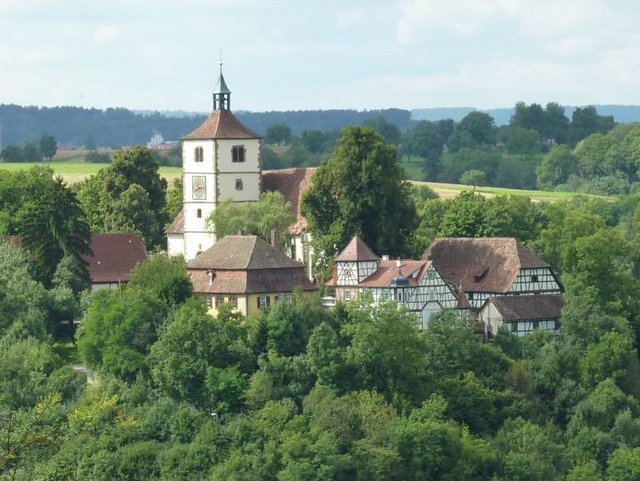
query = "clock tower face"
{"x": 199, "y": 187}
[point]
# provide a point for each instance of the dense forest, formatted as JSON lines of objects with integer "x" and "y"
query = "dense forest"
{"x": 297, "y": 392}
{"x": 118, "y": 127}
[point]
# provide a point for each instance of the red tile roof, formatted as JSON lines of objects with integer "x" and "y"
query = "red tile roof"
{"x": 114, "y": 255}
{"x": 387, "y": 271}
{"x": 516, "y": 308}
{"x": 177, "y": 226}
{"x": 481, "y": 264}
{"x": 222, "y": 124}
{"x": 357, "y": 250}
{"x": 242, "y": 252}
{"x": 292, "y": 184}
{"x": 246, "y": 265}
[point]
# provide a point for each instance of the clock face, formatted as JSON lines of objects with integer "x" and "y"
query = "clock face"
{"x": 199, "y": 187}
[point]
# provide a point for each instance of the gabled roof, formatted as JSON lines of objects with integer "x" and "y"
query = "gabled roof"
{"x": 243, "y": 252}
{"x": 221, "y": 124}
{"x": 516, "y": 308}
{"x": 177, "y": 226}
{"x": 292, "y": 184}
{"x": 481, "y": 264}
{"x": 356, "y": 250}
{"x": 114, "y": 255}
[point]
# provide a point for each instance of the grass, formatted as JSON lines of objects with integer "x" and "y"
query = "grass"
{"x": 75, "y": 171}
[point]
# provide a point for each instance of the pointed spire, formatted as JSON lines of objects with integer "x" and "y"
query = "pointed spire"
{"x": 221, "y": 93}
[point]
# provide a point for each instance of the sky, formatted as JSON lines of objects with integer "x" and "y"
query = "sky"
{"x": 304, "y": 54}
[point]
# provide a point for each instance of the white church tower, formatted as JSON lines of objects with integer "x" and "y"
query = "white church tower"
{"x": 221, "y": 160}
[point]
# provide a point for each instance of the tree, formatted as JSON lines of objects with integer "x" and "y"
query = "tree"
{"x": 473, "y": 177}
{"x": 389, "y": 131}
{"x": 586, "y": 121}
{"x": 478, "y": 127}
{"x": 523, "y": 141}
{"x": 360, "y": 190}
{"x": 48, "y": 146}
{"x": 54, "y": 227}
{"x": 278, "y": 134}
{"x": 164, "y": 277}
{"x": 132, "y": 212}
{"x": 425, "y": 140}
{"x": 137, "y": 166}
{"x": 271, "y": 212}
{"x": 556, "y": 167}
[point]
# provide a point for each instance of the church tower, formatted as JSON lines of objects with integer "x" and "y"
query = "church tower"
{"x": 221, "y": 160}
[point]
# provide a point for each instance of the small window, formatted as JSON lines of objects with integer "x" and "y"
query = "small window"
{"x": 209, "y": 300}
{"x": 534, "y": 278}
{"x": 199, "y": 154}
{"x": 347, "y": 295}
{"x": 263, "y": 302}
{"x": 470, "y": 296}
{"x": 239, "y": 184}
{"x": 237, "y": 153}
{"x": 233, "y": 300}
{"x": 199, "y": 213}
{"x": 219, "y": 301}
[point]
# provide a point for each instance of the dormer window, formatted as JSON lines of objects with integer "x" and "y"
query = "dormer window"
{"x": 199, "y": 154}
{"x": 237, "y": 153}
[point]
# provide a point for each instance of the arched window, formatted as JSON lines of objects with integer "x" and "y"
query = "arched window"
{"x": 199, "y": 154}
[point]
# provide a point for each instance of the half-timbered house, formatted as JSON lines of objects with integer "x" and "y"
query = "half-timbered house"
{"x": 416, "y": 285}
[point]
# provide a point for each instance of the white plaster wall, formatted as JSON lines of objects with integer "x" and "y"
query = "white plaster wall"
{"x": 188, "y": 156}
{"x": 196, "y": 242}
{"x": 175, "y": 244}
{"x": 250, "y": 186}
{"x": 252, "y": 155}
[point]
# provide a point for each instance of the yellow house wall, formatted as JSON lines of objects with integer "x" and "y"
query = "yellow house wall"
{"x": 248, "y": 305}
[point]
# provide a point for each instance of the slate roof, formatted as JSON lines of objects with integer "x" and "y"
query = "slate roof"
{"x": 246, "y": 265}
{"x": 356, "y": 250}
{"x": 516, "y": 308}
{"x": 292, "y": 184}
{"x": 114, "y": 255}
{"x": 177, "y": 226}
{"x": 481, "y": 264}
{"x": 242, "y": 252}
{"x": 221, "y": 124}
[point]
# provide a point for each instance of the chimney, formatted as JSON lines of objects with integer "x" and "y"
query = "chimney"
{"x": 275, "y": 238}
{"x": 398, "y": 263}
{"x": 385, "y": 257}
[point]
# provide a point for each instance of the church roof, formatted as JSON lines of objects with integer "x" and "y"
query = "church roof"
{"x": 515, "y": 308}
{"x": 177, "y": 226}
{"x": 357, "y": 250}
{"x": 481, "y": 264}
{"x": 292, "y": 184}
{"x": 243, "y": 252}
{"x": 114, "y": 255}
{"x": 221, "y": 124}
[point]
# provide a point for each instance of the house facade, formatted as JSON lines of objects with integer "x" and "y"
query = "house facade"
{"x": 247, "y": 273}
{"x": 416, "y": 285}
{"x": 521, "y": 314}
{"x": 496, "y": 280}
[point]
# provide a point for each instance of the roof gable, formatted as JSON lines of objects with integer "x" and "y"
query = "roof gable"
{"x": 221, "y": 124}
{"x": 356, "y": 250}
{"x": 489, "y": 264}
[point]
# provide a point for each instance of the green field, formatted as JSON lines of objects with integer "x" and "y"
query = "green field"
{"x": 73, "y": 172}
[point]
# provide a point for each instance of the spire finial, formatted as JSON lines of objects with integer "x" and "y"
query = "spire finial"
{"x": 220, "y": 61}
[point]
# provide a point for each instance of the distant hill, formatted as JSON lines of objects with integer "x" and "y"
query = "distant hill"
{"x": 117, "y": 127}
{"x": 621, "y": 113}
